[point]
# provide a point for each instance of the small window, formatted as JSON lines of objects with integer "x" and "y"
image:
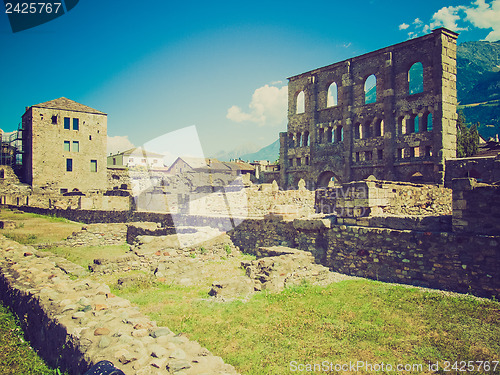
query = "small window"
{"x": 114, "y": 163}
{"x": 76, "y": 124}
{"x": 67, "y": 146}
{"x": 339, "y": 134}
{"x": 428, "y": 150}
{"x": 143, "y": 161}
{"x": 305, "y": 139}
{"x": 307, "y": 160}
{"x": 54, "y": 120}
{"x": 130, "y": 160}
{"x": 366, "y": 133}
{"x": 69, "y": 165}
{"x": 155, "y": 161}
{"x": 63, "y": 191}
{"x": 429, "y": 122}
{"x": 2, "y": 173}
{"x": 357, "y": 156}
{"x": 290, "y": 162}
{"x": 67, "y": 123}
{"x": 76, "y": 146}
{"x": 401, "y": 153}
{"x": 332, "y": 95}
{"x": 90, "y": 137}
{"x": 371, "y": 89}
{"x": 300, "y": 102}
{"x": 298, "y": 162}
{"x": 416, "y": 124}
{"x": 368, "y": 155}
{"x": 93, "y": 165}
{"x": 416, "y": 79}
{"x": 380, "y": 154}
{"x": 357, "y": 131}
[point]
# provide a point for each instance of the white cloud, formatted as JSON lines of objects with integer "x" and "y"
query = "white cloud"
{"x": 486, "y": 16}
{"x": 448, "y": 17}
{"x": 479, "y": 14}
{"x": 119, "y": 144}
{"x": 268, "y": 107}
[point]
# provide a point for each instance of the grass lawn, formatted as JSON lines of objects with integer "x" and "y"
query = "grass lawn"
{"x": 16, "y": 356}
{"x": 34, "y": 229}
{"x": 350, "y": 321}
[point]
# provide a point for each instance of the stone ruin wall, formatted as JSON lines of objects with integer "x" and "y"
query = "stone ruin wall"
{"x": 485, "y": 169}
{"x": 323, "y": 141}
{"x": 476, "y": 207}
{"x": 75, "y": 323}
{"x": 466, "y": 263}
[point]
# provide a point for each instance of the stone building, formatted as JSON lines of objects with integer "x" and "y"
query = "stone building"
{"x": 136, "y": 157}
{"x": 390, "y": 113}
{"x": 65, "y": 147}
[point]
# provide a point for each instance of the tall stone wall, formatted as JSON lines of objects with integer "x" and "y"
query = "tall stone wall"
{"x": 466, "y": 263}
{"x": 476, "y": 207}
{"x": 338, "y": 127}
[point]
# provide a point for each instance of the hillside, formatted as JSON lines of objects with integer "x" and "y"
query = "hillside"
{"x": 271, "y": 153}
{"x": 478, "y": 85}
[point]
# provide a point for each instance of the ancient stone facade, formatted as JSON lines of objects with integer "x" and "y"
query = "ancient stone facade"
{"x": 402, "y": 128}
{"x": 65, "y": 147}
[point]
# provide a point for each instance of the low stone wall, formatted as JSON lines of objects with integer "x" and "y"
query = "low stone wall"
{"x": 476, "y": 207}
{"x": 372, "y": 198}
{"x": 465, "y": 263}
{"x": 76, "y": 323}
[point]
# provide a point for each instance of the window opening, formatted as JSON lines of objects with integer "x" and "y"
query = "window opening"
{"x": 332, "y": 95}
{"x": 301, "y": 102}
{"x": 371, "y": 89}
{"x": 416, "y": 79}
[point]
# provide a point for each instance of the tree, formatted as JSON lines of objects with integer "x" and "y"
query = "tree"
{"x": 467, "y": 138}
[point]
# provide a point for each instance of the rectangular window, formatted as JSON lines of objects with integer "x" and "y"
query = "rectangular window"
{"x": 357, "y": 156}
{"x": 54, "y": 120}
{"x": 76, "y": 146}
{"x": 368, "y": 155}
{"x": 64, "y": 191}
{"x": 298, "y": 162}
{"x": 69, "y": 165}
{"x": 67, "y": 146}
{"x": 66, "y": 123}
{"x": 76, "y": 124}
{"x": 380, "y": 154}
{"x": 93, "y": 165}
{"x": 428, "y": 151}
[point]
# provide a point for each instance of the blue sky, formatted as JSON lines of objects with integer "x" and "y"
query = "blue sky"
{"x": 157, "y": 66}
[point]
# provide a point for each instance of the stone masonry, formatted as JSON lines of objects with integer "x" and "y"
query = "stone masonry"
{"x": 75, "y": 323}
{"x": 404, "y": 129}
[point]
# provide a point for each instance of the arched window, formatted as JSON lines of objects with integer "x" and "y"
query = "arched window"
{"x": 301, "y": 102}
{"x": 401, "y": 127}
{"x": 357, "y": 131}
{"x": 410, "y": 125}
{"x": 320, "y": 135}
{"x": 297, "y": 139}
{"x": 429, "y": 122}
{"x": 371, "y": 89}
{"x": 367, "y": 130}
{"x": 378, "y": 130}
{"x": 328, "y": 135}
{"x": 305, "y": 139}
{"x": 331, "y": 100}
{"x": 290, "y": 141}
{"x": 416, "y": 124}
{"x": 416, "y": 79}
{"x": 339, "y": 133}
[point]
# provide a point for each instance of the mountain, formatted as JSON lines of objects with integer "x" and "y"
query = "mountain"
{"x": 478, "y": 85}
{"x": 246, "y": 148}
{"x": 271, "y": 153}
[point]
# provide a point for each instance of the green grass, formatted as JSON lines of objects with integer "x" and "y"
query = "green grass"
{"x": 85, "y": 255}
{"x": 348, "y": 321}
{"x": 34, "y": 229}
{"x": 16, "y": 356}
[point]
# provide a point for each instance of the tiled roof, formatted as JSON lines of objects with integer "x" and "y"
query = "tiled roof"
{"x": 139, "y": 151}
{"x": 68, "y": 105}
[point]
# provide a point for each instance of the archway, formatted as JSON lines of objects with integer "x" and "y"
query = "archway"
{"x": 327, "y": 178}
